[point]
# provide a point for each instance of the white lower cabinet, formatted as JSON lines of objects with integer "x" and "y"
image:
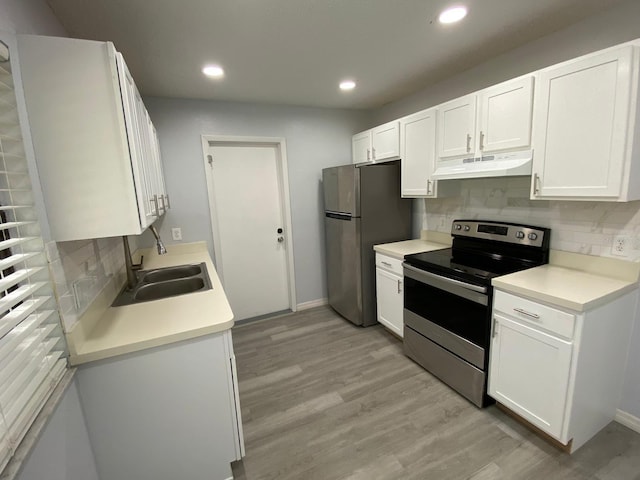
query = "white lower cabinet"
{"x": 560, "y": 370}
{"x": 165, "y": 413}
{"x": 389, "y": 293}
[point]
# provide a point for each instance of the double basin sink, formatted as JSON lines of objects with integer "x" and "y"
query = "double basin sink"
{"x": 165, "y": 282}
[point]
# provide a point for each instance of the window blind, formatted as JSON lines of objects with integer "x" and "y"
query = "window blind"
{"x": 32, "y": 347}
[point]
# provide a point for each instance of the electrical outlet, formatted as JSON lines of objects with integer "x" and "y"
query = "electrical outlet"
{"x": 620, "y": 245}
{"x": 176, "y": 233}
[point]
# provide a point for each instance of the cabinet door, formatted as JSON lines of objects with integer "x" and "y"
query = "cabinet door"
{"x": 361, "y": 147}
{"x": 136, "y": 126}
{"x": 418, "y": 151}
{"x": 529, "y": 373}
{"x": 581, "y": 116}
{"x": 385, "y": 142}
{"x": 505, "y": 119}
{"x": 456, "y": 127}
{"x": 389, "y": 300}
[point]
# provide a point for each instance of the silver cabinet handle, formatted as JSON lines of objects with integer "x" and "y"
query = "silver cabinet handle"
{"x": 386, "y": 264}
{"x": 168, "y": 202}
{"x": 468, "y": 142}
{"x": 536, "y": 184}
{"x": 428, "y": 187}
{"x": 373, "y": 155}
{"x": 164, "y": 206}
{"x": 154, "y": 199}
{"x": 399, "y": 286}
{"x": 368, "y": 154}
{"x": 495, "y": 329}
{"x": 528, "y": 314}
{"x": 481, "y": 140}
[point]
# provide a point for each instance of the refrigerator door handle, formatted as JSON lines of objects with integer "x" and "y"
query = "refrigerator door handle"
{"x": 338, "y": 215}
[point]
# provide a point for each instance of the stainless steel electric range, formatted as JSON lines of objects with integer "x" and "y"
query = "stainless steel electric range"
{"x": 448, "y": 296}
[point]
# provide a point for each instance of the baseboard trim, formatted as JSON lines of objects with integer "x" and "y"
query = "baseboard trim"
{"x": 312, "y": 304}
{"x": 628, "y": 420}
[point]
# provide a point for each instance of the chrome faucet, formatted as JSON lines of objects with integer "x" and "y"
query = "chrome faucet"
{"x": 161, "y": 248}
{"x": 132, "y": 279}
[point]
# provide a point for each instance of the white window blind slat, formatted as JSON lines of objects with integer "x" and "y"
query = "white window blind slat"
{"x": 18, "y": 276}
{"x": 32, "y": 349}
{"x": 20, "y": 426}
{"x": 17, "y": 296}
{"x": 14, "y": 242}
{"x": 18, "y": 314}
{"x": 20, "y": 381}
{"x": 16, "y": 259}
{"x": 10, "y": 342}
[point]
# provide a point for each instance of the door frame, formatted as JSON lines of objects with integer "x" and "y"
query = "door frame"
{"x": 283, "y": 179}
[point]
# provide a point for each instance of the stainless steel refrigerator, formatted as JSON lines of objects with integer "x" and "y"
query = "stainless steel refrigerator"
{"x": 363, "y": 207}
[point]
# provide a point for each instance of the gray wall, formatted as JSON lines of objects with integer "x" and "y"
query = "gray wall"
{"x": 614, "y": 26}
{"x": 63, "y": 451}
{"x": 316, "y": 138}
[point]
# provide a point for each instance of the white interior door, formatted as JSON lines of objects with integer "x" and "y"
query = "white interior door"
{"x": 249, "y": 219}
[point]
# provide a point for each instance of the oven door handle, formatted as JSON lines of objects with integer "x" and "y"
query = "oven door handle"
{"x": 421, "y": 273}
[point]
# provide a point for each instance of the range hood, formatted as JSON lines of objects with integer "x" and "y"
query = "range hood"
{"x": 498, "y": 165}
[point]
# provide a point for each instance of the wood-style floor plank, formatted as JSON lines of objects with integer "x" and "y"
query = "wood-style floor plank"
{"x": 323, "y": 399}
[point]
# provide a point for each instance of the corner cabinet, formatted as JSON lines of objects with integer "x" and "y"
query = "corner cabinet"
{"x": 95, "y": 145}
{"x": 163, "y": 411}
{"x": 585, "y": 140}
{"x": 381, "y": 143}
{"x": 558, "y": 369}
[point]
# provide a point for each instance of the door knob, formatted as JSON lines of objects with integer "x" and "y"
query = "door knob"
{"x": 280, "y": 239}
{"x": 279, "y": 230}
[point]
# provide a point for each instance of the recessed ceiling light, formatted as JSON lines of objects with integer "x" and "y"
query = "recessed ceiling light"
{"x": 347, "y": 85}
{"x": 214, "y": 71}
{"x": 453, "y": 14}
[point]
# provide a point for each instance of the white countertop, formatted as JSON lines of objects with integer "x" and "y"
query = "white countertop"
{"x": 407, "y": 247}
{"x": 565, "y": 287}
{"x": 131, "y": 328}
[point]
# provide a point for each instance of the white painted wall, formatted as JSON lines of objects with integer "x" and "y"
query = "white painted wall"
{"x": 583, "y": 227}
{"x": 316, "y": 138}
{"x": 63, "y": 451}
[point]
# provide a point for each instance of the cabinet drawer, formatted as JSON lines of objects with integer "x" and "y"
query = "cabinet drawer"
{"x": 536, "y": 314}
{"x": 389, "y": 263}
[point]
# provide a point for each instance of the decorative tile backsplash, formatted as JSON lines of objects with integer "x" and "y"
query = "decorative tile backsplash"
{"x": 581, "y": 227}
{"x": 81, "y": 269}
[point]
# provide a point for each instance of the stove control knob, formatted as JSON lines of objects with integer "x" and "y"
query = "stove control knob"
{"x": 533, "y": 236}
{"x": 467, "y": 228}
{"x": 458, "y": 226}
{"x": 520, "y": 235}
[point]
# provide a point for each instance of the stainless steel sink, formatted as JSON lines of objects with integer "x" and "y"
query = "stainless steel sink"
{"x": 164, "y": 283}
{"x": 170, "y": 273}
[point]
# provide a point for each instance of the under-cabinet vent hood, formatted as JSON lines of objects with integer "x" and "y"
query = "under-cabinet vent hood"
{"x": 498, "y": 165}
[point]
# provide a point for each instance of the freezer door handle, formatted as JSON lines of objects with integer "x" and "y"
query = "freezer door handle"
{"x": 338, "y": 215}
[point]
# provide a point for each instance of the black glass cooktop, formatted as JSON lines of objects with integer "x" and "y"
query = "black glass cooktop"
{"x": 478, "y": 269}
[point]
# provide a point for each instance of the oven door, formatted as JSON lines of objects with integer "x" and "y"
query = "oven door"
{"x": 449, "y": 312}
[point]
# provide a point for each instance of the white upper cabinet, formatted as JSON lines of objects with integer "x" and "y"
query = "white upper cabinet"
{"x": 417, "y": 154}
{"x": 378, "y": 144}
{"x": 585, "y": 117}
{"x": 457, "y": 127}
{"x": 361, "y": 147}
{"x": 95, "y": 146}
{"x": 505, "y": 116}
{"x": 492, "y": 120}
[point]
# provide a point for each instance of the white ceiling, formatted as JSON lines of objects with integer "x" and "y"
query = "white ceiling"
{"x": 296, "y": 51}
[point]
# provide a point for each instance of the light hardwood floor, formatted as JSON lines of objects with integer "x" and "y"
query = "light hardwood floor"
{"x": 323, "y": 399}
